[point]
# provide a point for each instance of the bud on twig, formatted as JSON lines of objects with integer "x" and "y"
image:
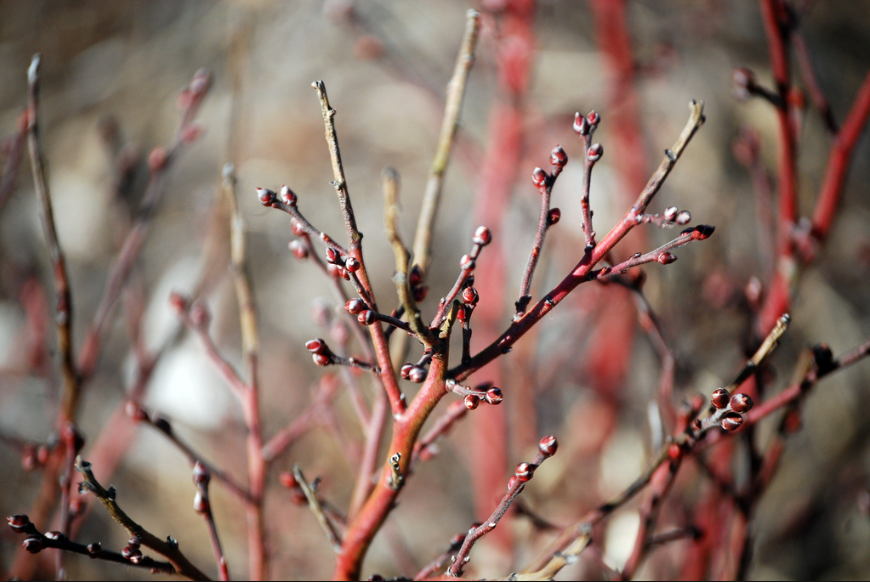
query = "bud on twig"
{"x": 539, "y": 177}
{"x": 288, "y": 196}
{"x": 554, "y": 216}
{"x": 266, "y": 196}
{"x": 720, "y": 398}
{"x": 558, "y": 157}
{"x": 741, "y": 403}
{"x": 732, "y": 422}
{"x": 471, "y": 401}
{"x": 482, "y": 236}
{"x": 594, "y": 153}
{"x": 548, "y": 446}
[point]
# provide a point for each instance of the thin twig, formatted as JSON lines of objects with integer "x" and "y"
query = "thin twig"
{"x": 317, "y": 508}
{"x": 161, "y": 424}
{"x": 93, "y": 551}
{"x": 449, "y": 126}
{"x": 168, "y": 548}
{"x": 400, "y": 277}
{"x": 64, "y": 314}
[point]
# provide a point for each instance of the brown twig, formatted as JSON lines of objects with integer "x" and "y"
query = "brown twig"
{"x": 167, "y": 548}
{"x": 63, "y": 306}
{"x": 202, "y": 505}
{"x": 317, "y": 509}
{"x": 449, "y": 126}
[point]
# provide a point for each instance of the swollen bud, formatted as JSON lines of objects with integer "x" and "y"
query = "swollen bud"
{"x": 299, "y": 250}
{"x": 417, "y": 374}
{"x": 741, "y": 403}
{"x": 470, "y": 296}
{"x": 581, "y": 126}
{"x": 732, "y": 422}
{"x": 355, "y": 306}
{"x": 554, "y": 216}
{"x": 670, "y": 213}
{"x": 593, "y": 118}
{"x": 558, "y": 157}
{"x": 539, "y": 177}
{"x": 482, "y": 236}
{"x": 494, "y": 396}
{"x": 594, "y": 153}
{"x": 288, "y": 196}
{"x": 524, "y": 472}
{"x": 266, "y": 196}
{"x": 683, "y": 218}
{"x": 548, "y": 446}
{"x": 321, "y": 360}
{"x": 405, "y": 371}
{"x": 720, "y": 398}
{"x": 471, "y": 401}
{"x": 366, "y": 317}
{"x": 666, "y": 258}
{"x": 466, "y": 263}
{"x": 296, "y": 227}
{"x": 316, "y": 346}
{"x": 352, "y": 265}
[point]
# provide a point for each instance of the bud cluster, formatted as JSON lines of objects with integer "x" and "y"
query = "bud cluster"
{"x": 729, "y": 409}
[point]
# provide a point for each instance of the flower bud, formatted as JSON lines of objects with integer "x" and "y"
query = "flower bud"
{"x": 18, "y": 522}
{"x": 512, "y": 481}
{"x": 732, "y": 422}
{"x": 539, "y": 177}
{"x": 352, "y": 265}
{"x": 471, "y": 401}
{"x": 321, "y": 360}
{"x": 299, "y": 250}
{"x": 470, "y": 296}
{"x": 593, "y": 118}
{"x": 415, "y": 277}
{"x": 670, "y": 213}
{"x": 417, "y": 374}
{"x": 581, "y": 126}
{"x": 354, "y": 306}
{"x": 200, "y": 503}
{"x": 315, "y": 346}
{"x": 548, "y": 446}
{"x": 720, "y": 398}
{"x": 288, "y": 196}
{"x": 288, "y": 480}
{"x": 405, "y": 371}
{"x": 703, "y": 231}
{"x": 741, "y": 403}
{"x": 684, "y": 217}
{"x": 554, "y": 216}
{"x": 462, "y": 313}
{"x": 482, "y": 236}
{"x": 32, "y": 545}
{"x": 494, "y": 396}
{"x": 594, "y": 153}
{"x": 266, "y": 196}
{"x": 331, "y": 256}
{"x": 666, "y": 258}
{"x": 558, "y": 157}
{"x": 94, "y": 549}
{"x": 466, "y": 263}
{"x": 342, "y": 272}
{"x": 296, "y": 227}
{"x": 366, "y": 317}
{"x": 420, "y": 292}
{"x": 524, "y": 472}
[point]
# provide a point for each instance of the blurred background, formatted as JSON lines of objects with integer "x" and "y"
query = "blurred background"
{"x": 111, "y": 73}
